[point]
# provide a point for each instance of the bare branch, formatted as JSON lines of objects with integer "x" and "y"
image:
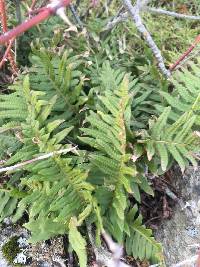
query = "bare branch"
{"x": 135, "y": 15}
{"x": 124, "y": 16}
{"x": 160, "y": 11}
{"x": 116, "y": 20}
{"x": 103, "y": 257}
{"x": 45, "y": 156}
{"x": 76, "y": 16}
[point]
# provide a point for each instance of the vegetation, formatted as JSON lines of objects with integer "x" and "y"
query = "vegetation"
{"x": 11, "y": 249}
{"x": 97, "y": 106}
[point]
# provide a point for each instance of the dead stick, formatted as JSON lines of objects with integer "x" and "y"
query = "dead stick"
{"x": 6, "y": 53}
{"x": 134, "y": 12}
{"x": 45, "y": 156}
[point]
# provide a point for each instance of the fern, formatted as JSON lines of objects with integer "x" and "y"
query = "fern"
{"x": 177, "y": 141}
{"x": 186, "y": 96}
{"x": 78, "y": 242}
{"x": 60, "y": 76}
{"x": 101, "y": 181}
{"x": 139, "y": 241}
{"x": 55, "y": 191}
{"x": 7, "y": 206}
{"x": 107, "y": 134}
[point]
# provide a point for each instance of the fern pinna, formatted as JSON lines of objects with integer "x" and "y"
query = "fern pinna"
{"x": 100, "y": 181}
{"x": 186, "y": 96}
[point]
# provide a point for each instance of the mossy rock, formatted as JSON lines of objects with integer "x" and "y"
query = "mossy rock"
{"x": 10, "y": 250}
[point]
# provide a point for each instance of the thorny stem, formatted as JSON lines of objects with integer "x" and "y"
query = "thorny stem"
{"x": 3, "y": 16}
{"x": 47, "y": 11}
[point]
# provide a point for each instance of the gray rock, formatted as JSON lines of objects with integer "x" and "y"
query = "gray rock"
{"x": 180, "y": 235}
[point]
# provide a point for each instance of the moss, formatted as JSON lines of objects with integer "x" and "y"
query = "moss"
{"x": 10, "y": 250}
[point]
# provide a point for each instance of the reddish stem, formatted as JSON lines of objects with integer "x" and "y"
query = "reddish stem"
{"x": 33, "y": 4}
{"x": 43, "y": 15}
{"x": 8, "y": 52}
{"x": 189, "y": 50}
{"x": 3, "y": 16}
{"x": 198, "y": 260}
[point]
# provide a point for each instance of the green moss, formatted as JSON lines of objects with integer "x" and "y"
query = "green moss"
{"x": 10, "y": 250}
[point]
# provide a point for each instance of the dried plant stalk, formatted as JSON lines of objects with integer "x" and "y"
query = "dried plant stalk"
{"x": 8, "y": 52}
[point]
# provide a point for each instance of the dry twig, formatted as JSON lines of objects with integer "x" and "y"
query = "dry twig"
{"x": 141, "y": 6}
{"x": 45, "y": 156}
{"x": 103, "y": 257}
{"x": 134, "y": 12}
{"x": 160, "y": 11}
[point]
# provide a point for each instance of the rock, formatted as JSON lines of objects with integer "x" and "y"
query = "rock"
{"x": 43, "y": 254}
{"x": 180, "y": 235}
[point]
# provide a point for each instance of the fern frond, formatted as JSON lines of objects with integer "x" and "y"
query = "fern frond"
{"x": 186, "y": 95}
{"x": 176, "y": 141}
{"x": 7, "y": 205}
{"x": 55, "y": 191}
{"x": 140, "y": 242}
{"x": 107, "y": 134}
{"x": 59, "y": 76}
{"x": 77, "y": 242}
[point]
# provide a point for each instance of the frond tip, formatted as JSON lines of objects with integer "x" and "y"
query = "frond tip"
{"x": 140, "y": 242}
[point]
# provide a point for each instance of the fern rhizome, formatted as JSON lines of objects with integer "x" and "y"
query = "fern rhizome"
{"x": 116, "y": 130}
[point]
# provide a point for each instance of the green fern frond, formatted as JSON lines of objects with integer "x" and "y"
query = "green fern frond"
{"x": 140, "y": 242}
{"x": 186, "y": 94}
{"x": 59, "y": 76}
{"x": 55, "y": 191}
{"x": 107, "y": 134}
{"x": 176, "y": 141}
{"x": 7, "y": 205}
{"x": 77, "y": 242}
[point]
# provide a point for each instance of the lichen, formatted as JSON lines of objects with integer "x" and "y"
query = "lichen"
{"x": 10, "y": 250}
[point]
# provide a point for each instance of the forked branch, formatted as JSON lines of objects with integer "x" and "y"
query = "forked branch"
{"x": 134, "y": 12}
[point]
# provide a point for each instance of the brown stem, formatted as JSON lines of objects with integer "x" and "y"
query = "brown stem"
{"x": 8, "y": 52}
{"x": 33, "y": 4}
{"x": 187, "y": 52}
